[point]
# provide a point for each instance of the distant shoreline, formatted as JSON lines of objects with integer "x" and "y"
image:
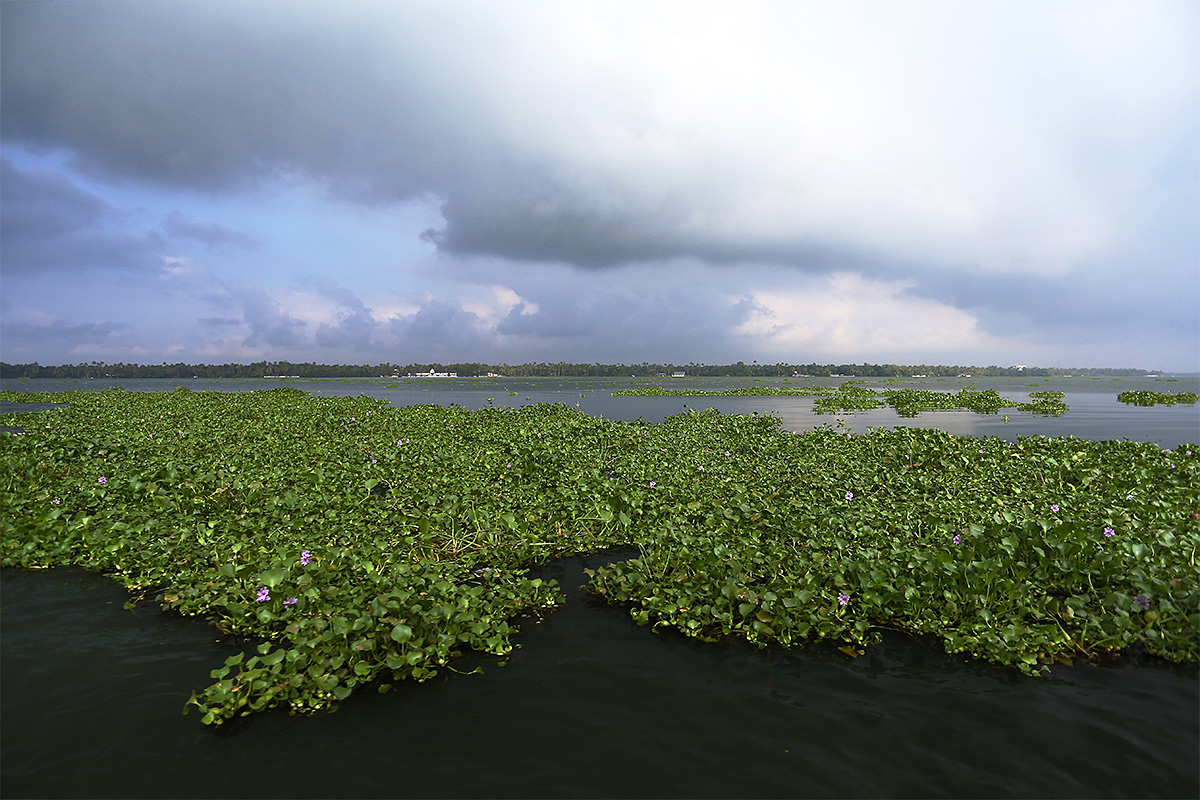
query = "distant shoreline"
{"x": 285, "y": 369}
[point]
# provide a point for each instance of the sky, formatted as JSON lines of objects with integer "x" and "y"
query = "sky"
{"x": 900, "y": 182}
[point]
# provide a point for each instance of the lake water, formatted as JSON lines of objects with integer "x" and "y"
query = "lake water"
{"x": 591, "y": 705}
{"x": 1094, "y": 410}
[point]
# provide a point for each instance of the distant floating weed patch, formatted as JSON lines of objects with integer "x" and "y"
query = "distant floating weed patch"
{"x": 1145, "y": 398}
{"x": 911, "y": 402}
{"x": 364, "y": 544}
{"x": 747, "y": 391}
{"x": 851, "y": 396}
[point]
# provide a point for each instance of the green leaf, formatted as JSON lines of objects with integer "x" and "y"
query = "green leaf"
{"x": 273, "y": 577}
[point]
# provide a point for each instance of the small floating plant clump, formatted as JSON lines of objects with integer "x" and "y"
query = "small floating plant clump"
{"x": 1145, "y": 398}
{"x": 360, "y": 544}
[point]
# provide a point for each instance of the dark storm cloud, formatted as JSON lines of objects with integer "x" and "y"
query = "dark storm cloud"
{"x": 212, "y": 234}
{"x": 50, "y": 223}
{"x": 393, "y": 101}
{"x": 212, "y": 97}
{"x": 519, "y": 229}
{"x": 223, "y": 104}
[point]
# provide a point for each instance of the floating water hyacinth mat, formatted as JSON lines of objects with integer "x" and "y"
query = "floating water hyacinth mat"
{"x": 1145, "y": 398}
{"x": 362, "y": 543}
{"x": 849, "y": 396}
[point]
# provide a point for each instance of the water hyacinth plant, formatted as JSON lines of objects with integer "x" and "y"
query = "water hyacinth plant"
{"x": 1146, "y": 398}
{"x": 850, "y": 396}
{"x": 355, "y": 561}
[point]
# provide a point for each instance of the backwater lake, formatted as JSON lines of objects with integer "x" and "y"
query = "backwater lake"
{"x": 590, "y": 704}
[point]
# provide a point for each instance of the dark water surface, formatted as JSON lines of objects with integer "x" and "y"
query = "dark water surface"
{"x": 591, "y": 705}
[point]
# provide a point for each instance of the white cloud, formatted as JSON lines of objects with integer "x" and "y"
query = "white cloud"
{"x": 496, "y": 304}
{"x": 849, "y": 316}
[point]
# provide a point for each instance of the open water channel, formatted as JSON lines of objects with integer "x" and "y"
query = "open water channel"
{"x": 591, "y": 705}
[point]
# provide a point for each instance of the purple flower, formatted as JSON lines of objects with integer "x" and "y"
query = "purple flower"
{"x": 305, "y": 557}
{"x": 1109, "y": 532}
{"x": 653, "y": 484}
{"x": 1142, "y": 601}
{"x": 103, "y": 480}
{"x": 1054, "y": 507}
{"x": 849, "y": 496}
{"x": 56, "y": 501}
{"x": 843, "y": 599}
{"x": 702, "y": 469}
{"x": 291, "y": 601}
{"x": 264, "y": 594}
{"x": 957, "y": 538}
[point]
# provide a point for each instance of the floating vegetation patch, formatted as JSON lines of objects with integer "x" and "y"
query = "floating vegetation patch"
{"x": 849, "y": 397}
{"x": 911, "y": 402}
{"x": 363, "y": 544}
{"x": 1047, "y": 403}
{"x": 747, "y": 391}
{"x": 1145, "y": 398}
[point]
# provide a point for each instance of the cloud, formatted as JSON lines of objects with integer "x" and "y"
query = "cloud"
{"x": 848, "y": 315}
{"x": 795, "y": 133}
{"x": 443, "y": 330}
{"x": 26, "y": 332}
{"x": 219, "y": 322}
{"x": 212, "y": 234}
{"x": 49, "y": 223}
{"x": 355, "y": 324}
{"x": 62, "y": 332}
{"x": 609, "y": 175}
{"x": 42, "y": 203}
{"x": 270, "y": 323}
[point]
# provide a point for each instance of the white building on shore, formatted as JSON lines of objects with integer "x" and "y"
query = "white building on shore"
{"x": 433, "y": 374}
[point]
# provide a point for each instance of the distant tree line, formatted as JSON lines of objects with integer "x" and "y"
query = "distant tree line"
{"x": 259, "y": 369}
